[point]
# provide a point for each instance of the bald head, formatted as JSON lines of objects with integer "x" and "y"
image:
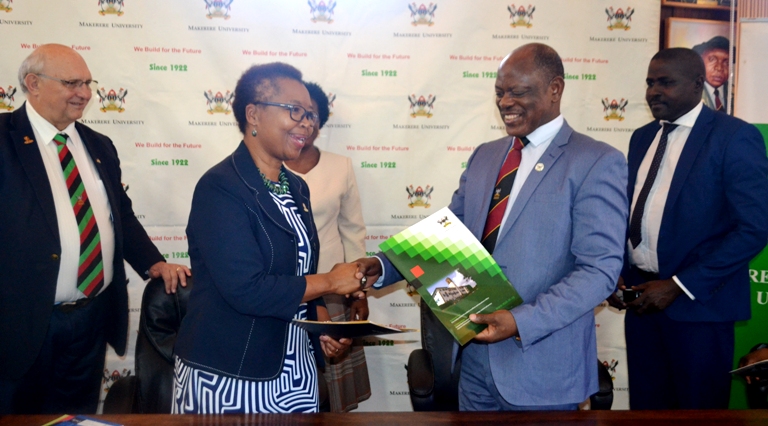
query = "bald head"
{"x": 545, "y": 58}
{"x": 46, "y": 76}
{"x": 529, "y": 86}
{"x": 35, "y": 63}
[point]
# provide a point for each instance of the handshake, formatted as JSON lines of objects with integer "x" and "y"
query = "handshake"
{"x": 350, "y": 280}
{"x": 354, "y": 278}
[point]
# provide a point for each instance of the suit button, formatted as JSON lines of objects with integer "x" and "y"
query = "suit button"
{"x": 54, "y": 256}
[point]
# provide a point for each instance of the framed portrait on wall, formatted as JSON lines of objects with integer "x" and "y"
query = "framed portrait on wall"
{"x": 686, "y": 32}
{"x": 702, "y": 3}
{"x": 710, "y": 40}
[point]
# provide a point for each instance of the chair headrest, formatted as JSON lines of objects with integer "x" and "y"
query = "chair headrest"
{"x": 161, "y": 315}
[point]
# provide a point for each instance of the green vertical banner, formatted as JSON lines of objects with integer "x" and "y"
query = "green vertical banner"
{"x": 750, "y": 333}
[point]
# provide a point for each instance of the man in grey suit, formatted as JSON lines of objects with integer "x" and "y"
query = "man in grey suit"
{"x": 560, "y": 241}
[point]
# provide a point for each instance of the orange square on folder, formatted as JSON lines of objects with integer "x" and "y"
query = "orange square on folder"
{"x": 417, "y": 271}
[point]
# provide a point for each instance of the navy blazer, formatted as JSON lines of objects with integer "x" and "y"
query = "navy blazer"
{"x": 30, "y": 248}
{"x": 715, "y": 219}
{"x": 244, "y": 254}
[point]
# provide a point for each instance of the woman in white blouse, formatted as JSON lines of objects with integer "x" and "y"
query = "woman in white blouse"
{"x": 341, "y": 230}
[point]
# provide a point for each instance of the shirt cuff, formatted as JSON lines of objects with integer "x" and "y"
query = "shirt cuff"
{"x": 680, "y": 284}
{"x": 380, "y": 281}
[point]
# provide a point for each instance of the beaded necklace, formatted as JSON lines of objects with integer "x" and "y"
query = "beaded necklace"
{"x": 278, "y": 188}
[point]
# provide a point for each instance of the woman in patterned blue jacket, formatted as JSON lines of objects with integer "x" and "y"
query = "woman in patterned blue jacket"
{"x": 253, "y": 246}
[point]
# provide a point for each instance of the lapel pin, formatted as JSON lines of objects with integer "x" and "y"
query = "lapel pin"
{"x": 539, "y": 167}
{"x": 98, "y": 161}
{"x": 27, "y": 140}
{"x": 305, "y": 207}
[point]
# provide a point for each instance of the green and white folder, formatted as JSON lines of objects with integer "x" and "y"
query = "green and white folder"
{"x": 452, "y": 271}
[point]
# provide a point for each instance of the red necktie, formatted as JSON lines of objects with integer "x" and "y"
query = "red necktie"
{"x": 90, "y": 271}
{"x": 501, "y": 194}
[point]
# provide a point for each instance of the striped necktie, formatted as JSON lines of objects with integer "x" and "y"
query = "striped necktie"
{"x": 501, "y": 194}
{"x": 90, "y": 271}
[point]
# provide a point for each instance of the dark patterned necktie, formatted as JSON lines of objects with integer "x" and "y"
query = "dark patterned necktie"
{"x": 718, "y": 102}
{"x": 90, "y": 271}
{"x": 635, "y": 235}
{"x": 501, "y": 194}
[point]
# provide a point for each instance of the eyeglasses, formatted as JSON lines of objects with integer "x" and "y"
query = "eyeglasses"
{"x": 73, "y": 84}
{"x": 298, "y": 113}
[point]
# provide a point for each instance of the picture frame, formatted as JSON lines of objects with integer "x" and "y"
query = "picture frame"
{"x": 699, "y": 4}
{"x": 710, "y": 39}
{"x": 687, "y": 32}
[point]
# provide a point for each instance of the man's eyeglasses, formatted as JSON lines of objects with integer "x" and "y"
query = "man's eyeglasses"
{"x": 72, "y": 84}
{"x": 298, "y": 113}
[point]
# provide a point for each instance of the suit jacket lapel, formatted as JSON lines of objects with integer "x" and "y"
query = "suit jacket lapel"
{"x": 707, "y": 98}
{"x": 302, "y": 204}
{"x": 696, "y": 140}
{"x": 249, "y": 173}
{"x": 32, "y": 162}
{"x": 96, "y": 152}
{"x": 475, "y": 218}
{"x": 550, "y": 156}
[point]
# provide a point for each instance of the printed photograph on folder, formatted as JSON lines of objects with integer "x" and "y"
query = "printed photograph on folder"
{"x": 452, "y": 271}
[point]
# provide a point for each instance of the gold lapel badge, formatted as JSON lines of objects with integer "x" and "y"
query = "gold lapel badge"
{"x": 539, "y": 167}
{"x": 305, "y": 207}
{"x": 98, "y": 161}
{"x": 28, "y": 141}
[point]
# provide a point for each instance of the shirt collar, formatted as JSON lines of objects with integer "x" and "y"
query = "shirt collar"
{"x": 689, "y": 118}
{"x": 711, "y": 89}
{"x": 546, "y": 132}
{"x": 45, "y": 130}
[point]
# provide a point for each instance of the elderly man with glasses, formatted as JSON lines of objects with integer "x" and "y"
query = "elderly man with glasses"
{"x": 66, "y": 225}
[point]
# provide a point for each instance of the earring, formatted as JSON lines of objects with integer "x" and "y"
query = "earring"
{"x": 254, "y": 133}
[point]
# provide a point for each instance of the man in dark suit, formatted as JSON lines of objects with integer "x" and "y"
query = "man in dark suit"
{"x": 556, "y": 230}
{"x": 66, "y": 225}
{"x": 698, "y": 185}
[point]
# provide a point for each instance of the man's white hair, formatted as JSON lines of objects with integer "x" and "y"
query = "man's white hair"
{"x": 33, "y": 64}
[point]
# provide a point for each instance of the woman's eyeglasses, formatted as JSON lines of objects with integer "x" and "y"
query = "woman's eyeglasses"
{"x": 298, "y": 113}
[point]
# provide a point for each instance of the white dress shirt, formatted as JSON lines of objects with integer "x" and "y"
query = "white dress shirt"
{"x": 69, "y": 234}
{"x": 645, "y": 255}
{"x": 711, "y": 92}
{"x": 539, "y": 141}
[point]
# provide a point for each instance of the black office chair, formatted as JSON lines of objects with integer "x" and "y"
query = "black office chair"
{"x": 434, "y": 387}
{"x": 150, "y": 389}
{"x": 603, "y": 398}
{"x": 432, "y": 384}
{"x": 757, "y": 391}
